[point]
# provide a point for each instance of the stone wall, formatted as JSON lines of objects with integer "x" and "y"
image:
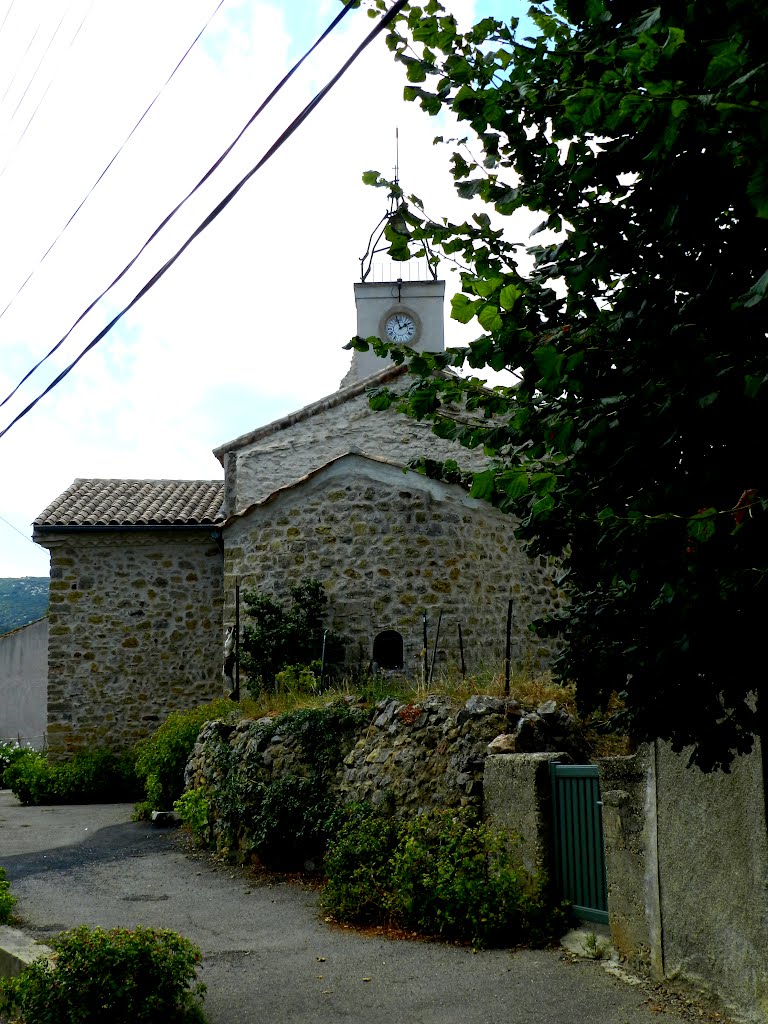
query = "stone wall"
{"x": 275, "y": 457}
{"x": 134, "y": 633}
{"x": 23, "y": 683}
{"x": 405, "y": 759}
{"x": 387, "y": 546}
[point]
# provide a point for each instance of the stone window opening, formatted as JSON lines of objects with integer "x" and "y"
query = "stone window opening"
{"x": 388, "y": 650}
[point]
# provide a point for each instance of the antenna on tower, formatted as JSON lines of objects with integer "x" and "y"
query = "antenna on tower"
{"x": 397, "y": 155}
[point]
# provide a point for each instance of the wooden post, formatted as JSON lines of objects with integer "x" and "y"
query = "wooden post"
{"x": 237, "y": 638}
{"x": 434, "y": 651}
{"x": 508, "y": 652}
{"x": 426, "y": 655}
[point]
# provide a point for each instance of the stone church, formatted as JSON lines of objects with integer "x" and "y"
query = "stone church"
{"x": 145, "y": 573}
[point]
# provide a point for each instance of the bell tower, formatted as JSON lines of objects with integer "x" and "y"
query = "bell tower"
{"x": 405, "y": 312}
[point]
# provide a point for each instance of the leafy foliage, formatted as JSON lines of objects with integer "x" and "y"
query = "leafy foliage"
{"x": 280, "y": 820}
{"x": 194, "y": 810}
{"x": 277, "y": 638}
{"x": 121, "y": 976}
{"x": 441, "y": 874}
{"x": 92, "y": 776}
{"x": 7, "y": 900}
{"x": 162, "y": 757}
{"x": 10, "y": 751}
{"x": 22, "y": 601}
{"x": 626, "y": 441}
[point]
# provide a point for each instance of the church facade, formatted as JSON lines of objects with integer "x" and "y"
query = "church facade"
{"x": 144, "y": 574}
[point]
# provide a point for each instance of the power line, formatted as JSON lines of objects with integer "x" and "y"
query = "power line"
{"x": 24, "y": 535}
{"x": 39, "y": 64}
{"x": 34, "y": 114}
{"x": 296, "y": 123}
{"x": 93, "y": 187}
{"x": 347, "y": 7}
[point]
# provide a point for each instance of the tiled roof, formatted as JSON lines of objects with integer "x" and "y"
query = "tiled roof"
{"x": 136, "y": 503}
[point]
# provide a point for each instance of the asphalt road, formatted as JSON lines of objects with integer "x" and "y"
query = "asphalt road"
{"x": 269, "y": 957}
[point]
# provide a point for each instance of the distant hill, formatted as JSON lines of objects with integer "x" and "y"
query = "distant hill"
{"x": 22, "y": 601}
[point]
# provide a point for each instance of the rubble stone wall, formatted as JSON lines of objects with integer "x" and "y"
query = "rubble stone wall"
{"x": 134, "y": 633}
{"x": 403, "y": 758}
{"x": 389, "y": 546}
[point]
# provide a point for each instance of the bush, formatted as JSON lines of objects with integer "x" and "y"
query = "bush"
{"x": 7, "y": 901}
{"x": 91, "y": 776}
{"x": 358, "y": 864}
{"x": 439, "y": 873}
{"x": 277, "y": 638}
{"x": 194, "y": 810}
{"x": 120, "y": 976}
{"x": 10, "y": 750}
{"x": 162, "y": 757}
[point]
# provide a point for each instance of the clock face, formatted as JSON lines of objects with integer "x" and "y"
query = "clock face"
{"x": 400, "y": 328}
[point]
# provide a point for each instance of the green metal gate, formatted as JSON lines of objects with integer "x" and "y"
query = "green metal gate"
{"x": 577, "y": 816}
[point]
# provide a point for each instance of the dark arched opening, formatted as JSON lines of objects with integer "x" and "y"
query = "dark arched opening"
{"x": 388, "y": 649}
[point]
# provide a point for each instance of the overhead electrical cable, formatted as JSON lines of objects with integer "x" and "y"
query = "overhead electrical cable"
{"x": 10, "y": 8}
{"x": 19, "y": 65}
{"x": 39, "y": 64}
{"x": 21, "y": 139}
{"x": 349, "y": 5}
{"x": 93, "y": 187}
{"x": 296, "y": 123}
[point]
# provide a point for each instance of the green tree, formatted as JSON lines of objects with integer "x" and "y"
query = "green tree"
{"x": 630, "y": 442}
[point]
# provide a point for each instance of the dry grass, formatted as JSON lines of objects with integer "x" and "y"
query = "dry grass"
{"x": 528, "y": 688}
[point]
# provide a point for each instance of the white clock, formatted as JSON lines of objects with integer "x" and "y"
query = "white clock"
{"x": 400, "y": 327}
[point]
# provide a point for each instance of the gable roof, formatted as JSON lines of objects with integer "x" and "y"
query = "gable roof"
{"x": 341, "y": 464}
{"x": 135, "y": 503}
{"x": 329, "y": 402}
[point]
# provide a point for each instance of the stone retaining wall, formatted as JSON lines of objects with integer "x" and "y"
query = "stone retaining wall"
{"x": 404, "y": 758}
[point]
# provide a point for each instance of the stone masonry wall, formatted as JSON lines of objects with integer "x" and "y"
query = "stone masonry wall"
{"x": 405, "y": 759}
{"x": 388, "y": 546}
{"x": 281, "y": 457}
{"x": 134, "y": 633}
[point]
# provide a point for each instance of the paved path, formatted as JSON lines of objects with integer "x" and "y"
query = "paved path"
{"x": 269, "y": 956}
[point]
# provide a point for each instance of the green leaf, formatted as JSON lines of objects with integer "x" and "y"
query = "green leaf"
{"x": 544, "y": 504}
{"x": 463, "y": 308}
{"x": 483, "y": 485}
{"x": 702, "y": 526}
{"x": 510, "y": 293}
{"x": 490, "y": 319}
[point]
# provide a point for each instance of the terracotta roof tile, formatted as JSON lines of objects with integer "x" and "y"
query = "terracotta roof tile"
{"x": 136, "y": 503}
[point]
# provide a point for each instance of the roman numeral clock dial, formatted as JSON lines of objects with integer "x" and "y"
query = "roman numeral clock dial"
{"x": 400, "y": 328}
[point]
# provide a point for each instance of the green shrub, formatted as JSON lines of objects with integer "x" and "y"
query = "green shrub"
{"x": 288, "y": 828}
{"x": 439, "y": 873}
{"x": 358, "y": 864}
{"x": 90, "y": 776}
{"x": 7, "y": 901}
{"x": 118, "y": 976}
{"x": 194, "y": 810}
{"x": 277, "y": 637}
{"x": 162, "y": 757}
{"x": 10, "y": 750}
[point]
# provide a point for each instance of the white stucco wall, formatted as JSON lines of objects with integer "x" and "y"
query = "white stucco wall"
{"x": 24, "y": 683}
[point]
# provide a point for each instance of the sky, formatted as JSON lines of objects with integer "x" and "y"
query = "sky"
{"x": 250, "y": 323}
